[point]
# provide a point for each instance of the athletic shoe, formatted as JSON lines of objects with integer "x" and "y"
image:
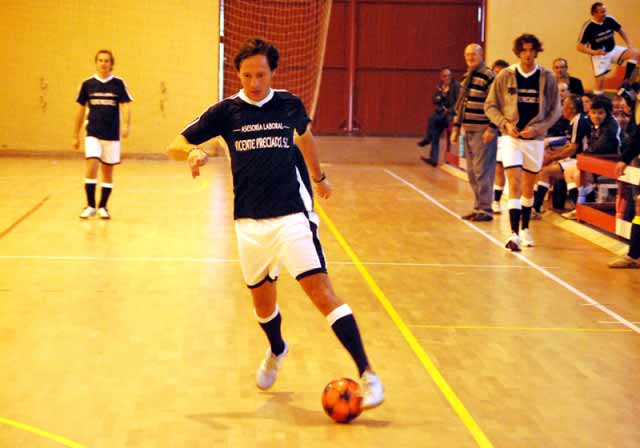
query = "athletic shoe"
{"x": 103, "y": 213}
{"x": 372, "y": 390}
{"x": 572, "y": 215}
{"x": 495, "y": 206}
{"x": 513, "y": 243}
{"x": 268, "y": 370}
{"x": 88, "y": 212}
{"x": 526, "y": 238}
{"x": 469, "y": 216}
{"x": 625, "y": 262}
{"x": 482, "y": 217}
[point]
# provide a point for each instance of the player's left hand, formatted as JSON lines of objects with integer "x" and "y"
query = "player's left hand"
{"x": 323, "y": 189}
{"x": 124, "y": 132}
{"x": 528, "y": 133}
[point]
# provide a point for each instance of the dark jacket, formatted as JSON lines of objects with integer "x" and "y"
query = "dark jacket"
{"x": 604, "y": 139}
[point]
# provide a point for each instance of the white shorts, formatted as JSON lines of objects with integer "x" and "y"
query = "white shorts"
{"x": 107, "y": 151}
{"x": 527, "y": 154}
{"x": 602, "y": 63}
{"x": 291, "y": 240}
{"x": 567, "y": 163}
{"x": 499, "y": 153}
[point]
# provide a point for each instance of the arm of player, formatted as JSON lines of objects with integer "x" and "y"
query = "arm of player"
{"x": 125, "y": 119}
{"x": 77, "y": 125}
{"x": 309, "y": 150}
{"x": 625, "y": 38}
{"x": 181, "y": 149}
{"x": 583, "y": 48}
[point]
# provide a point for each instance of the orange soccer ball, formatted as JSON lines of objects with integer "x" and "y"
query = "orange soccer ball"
{"x": 341, "y": 400}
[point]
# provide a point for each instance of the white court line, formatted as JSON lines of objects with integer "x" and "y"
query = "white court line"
{"x": 211, "y": 260}
{"x": 538, "y": 268}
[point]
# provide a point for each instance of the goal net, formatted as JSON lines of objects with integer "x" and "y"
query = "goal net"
{"x": 298, "y": 28}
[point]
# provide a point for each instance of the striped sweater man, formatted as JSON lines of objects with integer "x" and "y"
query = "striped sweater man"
{"x": 469, "y": 110}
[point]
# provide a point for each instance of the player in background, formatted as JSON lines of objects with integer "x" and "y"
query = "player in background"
{"x": 597, "y": 40}
{"x": 108, "y": 99}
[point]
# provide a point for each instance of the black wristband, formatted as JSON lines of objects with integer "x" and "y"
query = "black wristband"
{"x": 322, "y": 177}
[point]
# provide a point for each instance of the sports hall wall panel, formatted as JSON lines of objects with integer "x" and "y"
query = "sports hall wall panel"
{"x": 166, "y": 51}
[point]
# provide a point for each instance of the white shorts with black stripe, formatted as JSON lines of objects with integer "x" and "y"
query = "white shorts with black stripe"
{"x": 525, "y": 154}
{"x": 602, "y": 63}
{"x": 263, "y": 244}
{"x": 107, "y": 151}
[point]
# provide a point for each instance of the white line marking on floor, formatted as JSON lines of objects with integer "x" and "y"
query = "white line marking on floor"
{"x": 524, "y": 259}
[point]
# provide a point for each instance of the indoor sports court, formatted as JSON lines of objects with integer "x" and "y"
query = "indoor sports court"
{"x": 139, "y": 330}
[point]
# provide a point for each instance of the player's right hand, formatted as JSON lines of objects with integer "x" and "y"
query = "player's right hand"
{"x": 512, "y": 130}
{"x": 196, "y": 159}
{"x": 75, "y": 143}
{"x": 323, "y": 189}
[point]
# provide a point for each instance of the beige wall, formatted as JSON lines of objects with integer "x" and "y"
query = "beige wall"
{"x": 557, "y": 23}
{"x": 53, "y": 43}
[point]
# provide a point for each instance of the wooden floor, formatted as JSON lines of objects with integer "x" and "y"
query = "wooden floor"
{"x": 138, "y": 332}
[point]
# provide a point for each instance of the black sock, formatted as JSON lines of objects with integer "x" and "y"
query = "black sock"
{"x": 538, "y": 197}
{"x": 272, "y": 330}
{"x": 514, "y": 217}
{"x": 573, "y": 195}
{"x": 526, "y": 216}
{"x": 106, "y": 192}
{"x": 634, "y": 242}
{"x": 497, "y": 194}
{"x": 90, "y": 190}
{"x": 346, "y": 329}
{"x": 631, "y": 66}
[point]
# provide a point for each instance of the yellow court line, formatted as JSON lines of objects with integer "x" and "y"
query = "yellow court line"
{"x": 63, "y": 441}
{"x": 464, "y": 415}
{"x": 492, "y": 327}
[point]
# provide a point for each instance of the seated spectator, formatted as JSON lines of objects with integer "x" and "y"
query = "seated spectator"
{"x": 498, "y": 65}
{"x": 603, "y": 138}
{"x": 444, "y": 99}
{"x": 560, "y": 67}
{"x": 557, "y": 161}
{"x": 632, "y": 259}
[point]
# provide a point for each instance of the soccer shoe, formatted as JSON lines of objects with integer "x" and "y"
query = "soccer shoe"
{"x": 625, "y": 262}
{"x": 268, "y": 370}
{"x": 513, "y": 243}
{"x": 88, "y": 212}
{"x": 572, "y": 215}
{"x": 526, "y": 238}
{"x": 103, "y": 213}
{"x": 372, "y": 390}
{"x": 495, "y": 206}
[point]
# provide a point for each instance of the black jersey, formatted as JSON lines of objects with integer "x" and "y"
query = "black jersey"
{"x": 528, "y": 96}
{"x": 104, "y": 97}
{"x": 580, "y": 132}
{"x": 600, "y": 35}
{"x": 268, "y": 179}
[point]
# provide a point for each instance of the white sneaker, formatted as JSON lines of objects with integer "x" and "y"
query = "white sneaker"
{"x": 372, "y": 391}
{"x": 268, "y": 370}
{"x": 88, "y": 212}
{"x": 572, "y": 215}
{"x": 527, "y": 239}
{"x": 513, "y": 243}
{"x": 103, "y": 213}
{"x": 495, "y": 206}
